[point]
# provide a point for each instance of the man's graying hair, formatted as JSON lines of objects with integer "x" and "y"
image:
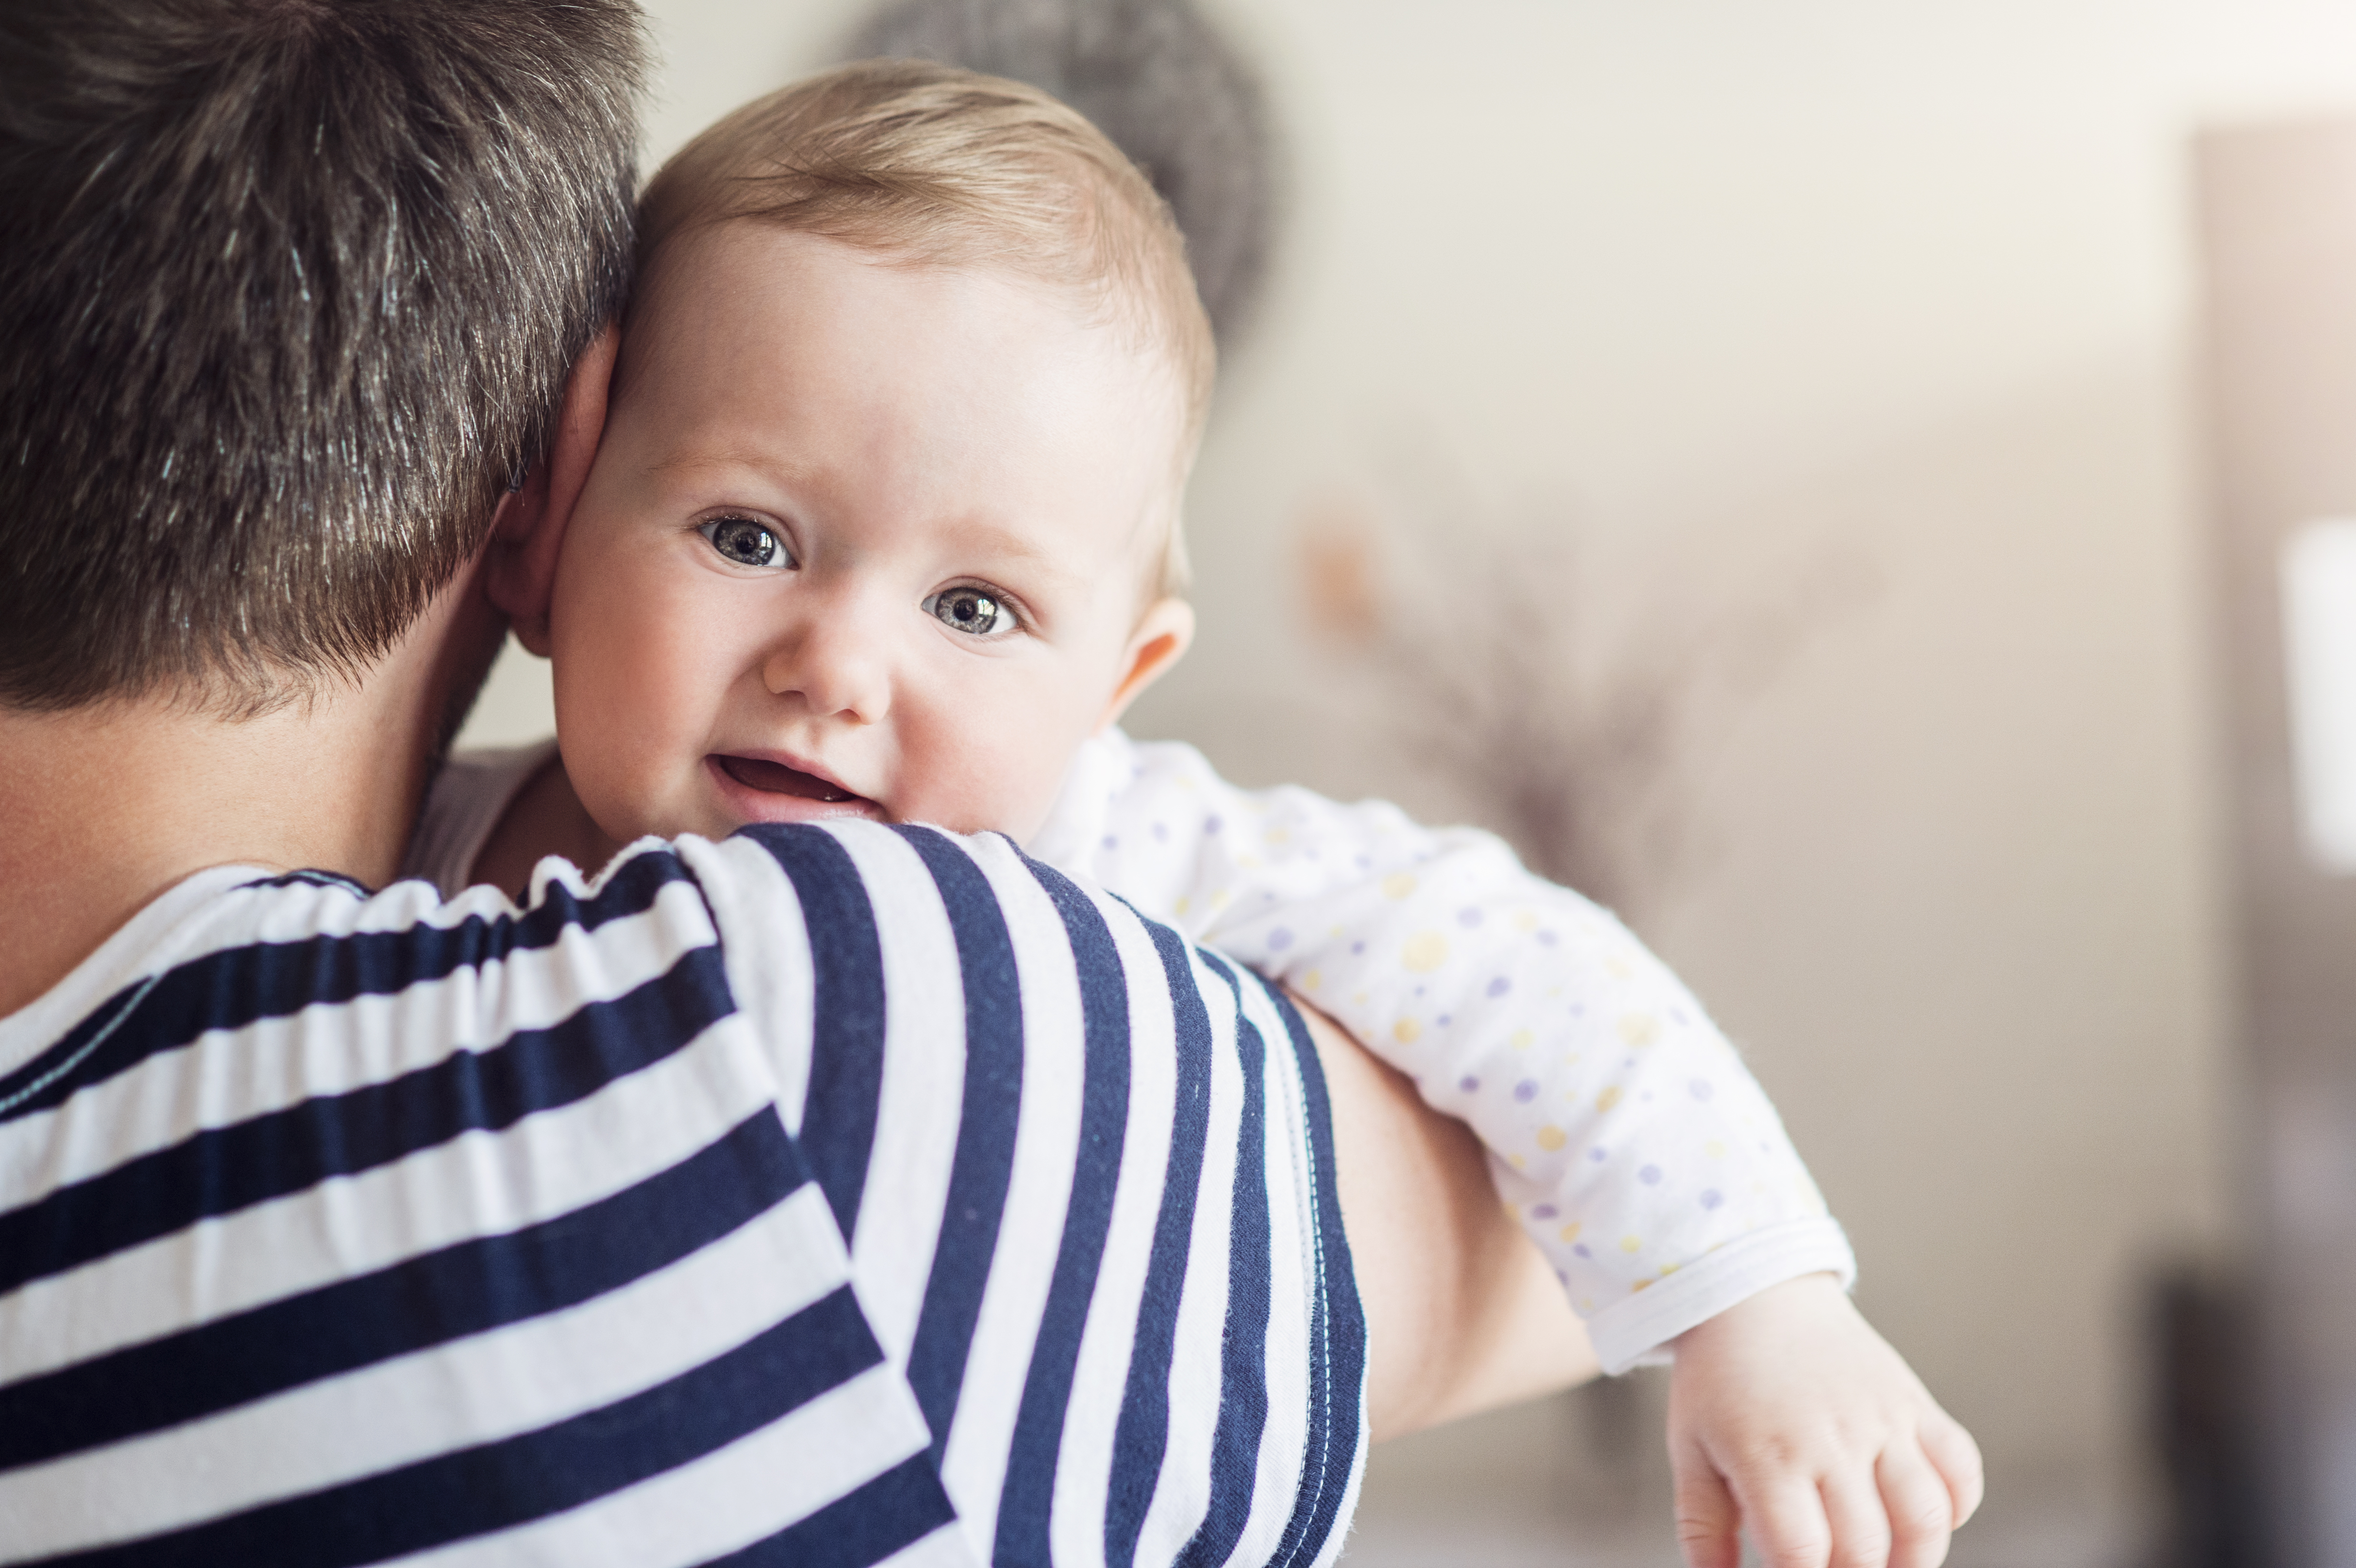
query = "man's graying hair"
{"x": 290, "y": 288}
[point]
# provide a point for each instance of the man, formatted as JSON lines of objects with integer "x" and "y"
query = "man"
{"x": 809, "y": 1198}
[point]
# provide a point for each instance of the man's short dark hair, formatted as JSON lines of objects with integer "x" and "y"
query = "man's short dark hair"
{"x": 290, "y": 288}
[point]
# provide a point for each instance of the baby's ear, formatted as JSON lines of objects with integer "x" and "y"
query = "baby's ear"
{"x": 528, "y": 533}
{"x": 1162, "y": 634}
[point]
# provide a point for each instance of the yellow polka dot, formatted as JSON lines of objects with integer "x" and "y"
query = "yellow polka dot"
{"x": 1335, "y": 932}
{"x": 1668, "y": 1269}
{"x": 1406, "y": 1032}
{"x": 1639, "y": 1028}
{"x": 1617, "y": 969}
{"x": 1714, "y": 1149}
{"x": 1424, "y": 951}
{"x": 1523, "y": 1039}
{"x": 1632, "y": 1245}
{"x": 1525, "y": 920}
{"x": 1587, "y": 1304}
{"x": 1570, "y": 1231}
{"x": 1516, "y": 1161}
{"x": 1640, "y": 1285}
{"x": 1310, "y": 981}
{"x": 1399, "y": 885}
{"x": 1571, "y": 1060}
{"x": 1551, "y": 1137}
{"x": 1180, "y": 907}
{"x": 1278, "y": 837}
{"x": 1248, "y": 862}
{"x": 1219, "y": 898}
{"x": 1609, "y": 1098}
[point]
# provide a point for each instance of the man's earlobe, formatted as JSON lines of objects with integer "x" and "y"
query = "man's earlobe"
{"x": 528, "y": 534}
{"x": 1163, "y": 633}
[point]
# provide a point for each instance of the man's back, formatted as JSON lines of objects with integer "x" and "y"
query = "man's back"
{"x": 638, "y": 1228}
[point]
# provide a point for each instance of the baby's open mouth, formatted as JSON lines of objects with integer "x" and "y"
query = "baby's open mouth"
{"x": 778, "y": 779}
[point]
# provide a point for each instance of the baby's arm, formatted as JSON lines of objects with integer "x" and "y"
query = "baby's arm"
{"x": 1624, "y": 1131}
{"x": 1631, "y": 1141}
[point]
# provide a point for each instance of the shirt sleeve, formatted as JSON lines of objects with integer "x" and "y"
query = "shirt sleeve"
{"x": 1086, "y": 1177}
{"x": 1623, "y": 1128}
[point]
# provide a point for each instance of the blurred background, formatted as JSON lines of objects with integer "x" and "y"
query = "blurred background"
{"x": 1800, "y": 411}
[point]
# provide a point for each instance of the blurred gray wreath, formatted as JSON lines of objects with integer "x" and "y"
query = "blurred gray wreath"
{"x": 1158, "y": 80}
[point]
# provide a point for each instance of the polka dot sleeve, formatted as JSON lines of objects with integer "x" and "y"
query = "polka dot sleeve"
{"x": 1623, "y": 1129}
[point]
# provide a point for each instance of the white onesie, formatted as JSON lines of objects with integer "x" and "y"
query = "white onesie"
{"x": 1622, "y": 1127}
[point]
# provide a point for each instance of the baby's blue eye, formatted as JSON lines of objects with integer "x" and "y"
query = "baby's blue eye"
{"x": 745, "y": 541}
{"x": 976, "y": 610}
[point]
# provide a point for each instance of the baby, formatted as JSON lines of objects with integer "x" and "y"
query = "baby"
{"x": 884, "y": 521}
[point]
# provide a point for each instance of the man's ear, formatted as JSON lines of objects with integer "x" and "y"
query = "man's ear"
{"x": 1162, "y": 634}
{"x": 520, "y": 573}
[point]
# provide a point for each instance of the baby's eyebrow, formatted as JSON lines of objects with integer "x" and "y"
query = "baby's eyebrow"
{"x": 728, "y": 458}
{"x": 989, "y": 539}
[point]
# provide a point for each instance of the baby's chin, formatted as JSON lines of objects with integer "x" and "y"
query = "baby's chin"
{"x": 754, "y": 790}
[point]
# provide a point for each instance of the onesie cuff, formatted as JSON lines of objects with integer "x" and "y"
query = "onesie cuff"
{"x": 1636, "y": 1332}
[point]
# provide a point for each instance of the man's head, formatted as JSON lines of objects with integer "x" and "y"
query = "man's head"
{"x": 291, "y": 290}
{"x": 882, "y": 519}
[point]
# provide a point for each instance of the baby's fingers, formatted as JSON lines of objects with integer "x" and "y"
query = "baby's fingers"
{"x": 1916, "y": 1502}
{"x": 1709, "y": 1524}
{"x": 1788, "y": 1523}
{"x": 1860, "y": 1524}
{"x": 1951, "y": 1449}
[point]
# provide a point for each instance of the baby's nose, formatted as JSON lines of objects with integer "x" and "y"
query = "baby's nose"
{"x": 836, "y": 667}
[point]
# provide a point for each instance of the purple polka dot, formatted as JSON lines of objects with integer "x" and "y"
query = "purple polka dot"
{"x": 1278, "y": 940}
{"x": 1677, "y": 1016}
{"x": 1500, "y": 985}
{"x": 1468, "y": 917}
{"x": 1650, "y": 1175}
{"x": 1210, "y": 825}
{"x": 1597, "y": 1155}
{"x": 1111, "y": 842}
{"x": 1525, "y": 1091}
{"x": 1357, "y": 947}
{"x": 1711, "y": 1199}
{"x": 1560, "y": 1277}
{"x": 1442, "y": 1020}
{"x": 1701, "y": 1088}
{"x": 1470, "y": 1084}
{"x": 1364, "y": 861}
{"x": 1544, "y": 1211}
{"x": 1549, "y": 938}
{"x": 1161, "y": 832}
{"x": 1581, "y": 1250}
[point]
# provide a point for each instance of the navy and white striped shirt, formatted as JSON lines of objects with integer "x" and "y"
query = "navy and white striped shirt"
{"x": 826, "y": 1196}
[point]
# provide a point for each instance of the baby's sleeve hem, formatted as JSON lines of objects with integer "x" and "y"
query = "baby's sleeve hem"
{"x": 1636, "y": 1332}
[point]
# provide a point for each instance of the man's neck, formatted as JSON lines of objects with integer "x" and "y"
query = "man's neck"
{"x": 105, "y": 807}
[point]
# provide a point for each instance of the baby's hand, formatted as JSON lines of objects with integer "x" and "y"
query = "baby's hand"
{"x": 1788, "y": 1413}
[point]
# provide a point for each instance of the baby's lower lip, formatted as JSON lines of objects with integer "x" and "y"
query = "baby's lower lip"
{"x": 775, "y": 778}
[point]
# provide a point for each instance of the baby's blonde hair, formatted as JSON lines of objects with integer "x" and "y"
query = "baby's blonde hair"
{"x": 946, "y": 167}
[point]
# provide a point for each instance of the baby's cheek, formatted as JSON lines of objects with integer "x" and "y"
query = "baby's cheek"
{"x": 617, "y": 723}
{"x": 985, "y": 777}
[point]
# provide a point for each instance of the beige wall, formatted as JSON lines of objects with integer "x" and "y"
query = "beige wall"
{"x": 1730, "y": 282}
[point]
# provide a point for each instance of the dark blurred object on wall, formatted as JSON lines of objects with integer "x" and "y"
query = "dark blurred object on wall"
{"x": 1157, "y": 78}
{"x": 2200, "y": 1333}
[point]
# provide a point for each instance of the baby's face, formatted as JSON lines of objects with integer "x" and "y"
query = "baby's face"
{"x": 860, "y": 539}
